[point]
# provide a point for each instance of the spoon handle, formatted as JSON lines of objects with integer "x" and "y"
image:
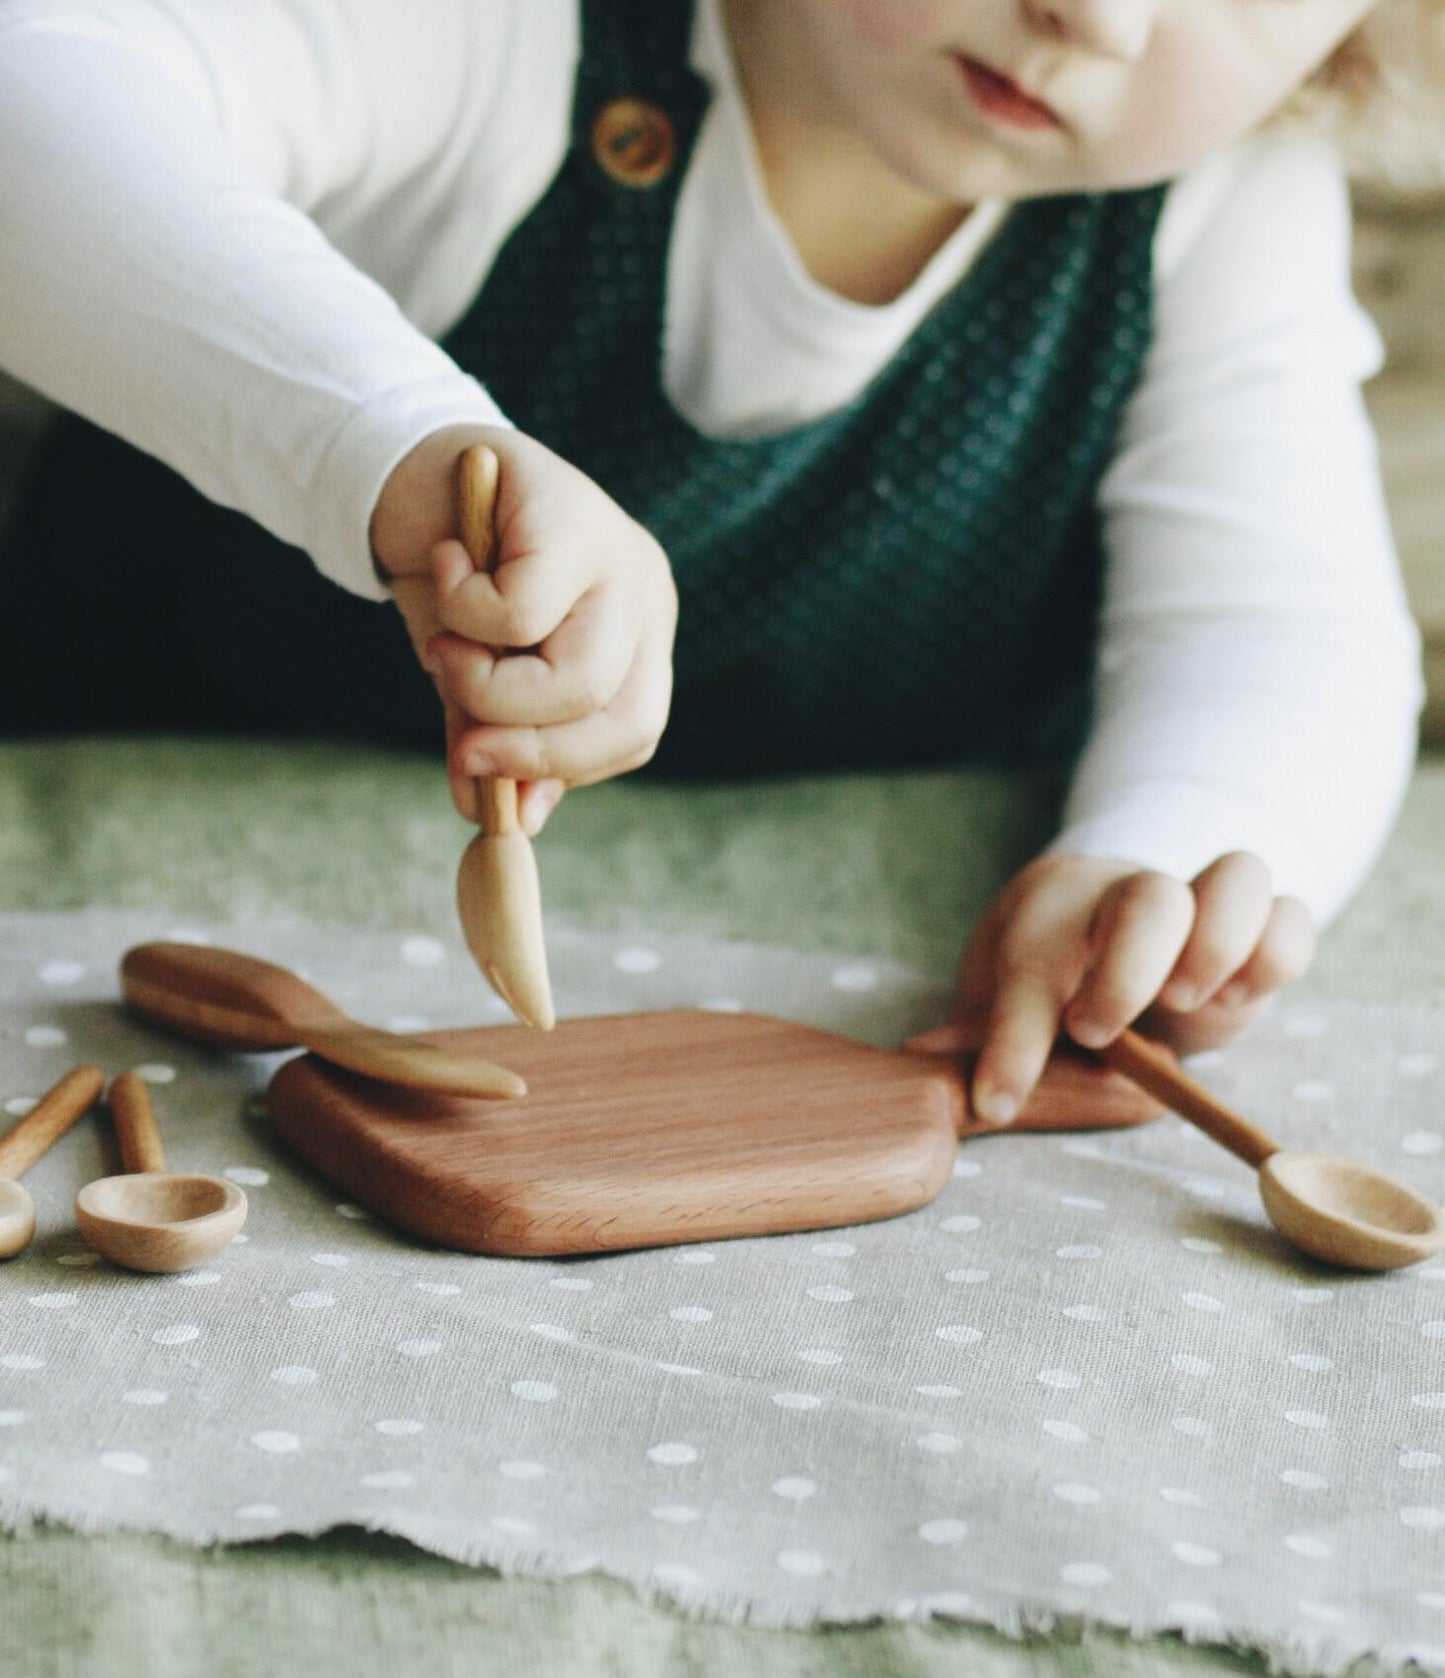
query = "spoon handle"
{"x": 236, "y": 1001}
{"x": 478, "y": 472}
{"x": 499, "y": 896}
{"x": 1157, "y": 1071}
{"x": 135, "y": 1124}
{"x": 49, "y": 1119}
{"x": 413, "y": 1064}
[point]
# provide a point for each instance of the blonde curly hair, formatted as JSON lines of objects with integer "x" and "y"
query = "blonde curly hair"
{"x": 1382, "y": 94}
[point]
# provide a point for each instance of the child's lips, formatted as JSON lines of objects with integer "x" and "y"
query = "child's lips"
{"x": 1003, "y": 100}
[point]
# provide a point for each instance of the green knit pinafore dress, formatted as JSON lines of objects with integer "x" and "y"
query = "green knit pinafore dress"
{"x": 911, "y": 579}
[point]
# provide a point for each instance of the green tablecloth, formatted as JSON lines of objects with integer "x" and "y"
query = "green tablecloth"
{"x": 884, "y": 865}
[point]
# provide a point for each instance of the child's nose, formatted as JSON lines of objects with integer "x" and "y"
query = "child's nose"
{"x": 1114, "y": 28}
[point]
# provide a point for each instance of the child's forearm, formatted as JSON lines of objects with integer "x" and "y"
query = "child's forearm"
{"x": 155, "y": 282}
{"x": 1258, "y": 674}
{"x": 1296, "y": 745}
{"x": 1258, "y": 682}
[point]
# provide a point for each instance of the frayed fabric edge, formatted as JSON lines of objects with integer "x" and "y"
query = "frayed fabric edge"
{"x": 1301, "y": 1653}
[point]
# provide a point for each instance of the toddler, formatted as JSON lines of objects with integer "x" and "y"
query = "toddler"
{"x": 875, "y": 382}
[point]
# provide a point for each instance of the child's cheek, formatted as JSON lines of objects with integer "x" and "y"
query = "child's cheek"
{"x": 889, "y": 26}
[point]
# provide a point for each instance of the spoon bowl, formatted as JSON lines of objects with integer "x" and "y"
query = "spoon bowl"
{"x": 499, "y": 905}
{"x": 1347, "y": 1213}
{"x": 1331, "y": 1207}
{"x": 150, "y": 1218}
{"x": 17, "y": 1219}
{"x": 159, "y": 1220}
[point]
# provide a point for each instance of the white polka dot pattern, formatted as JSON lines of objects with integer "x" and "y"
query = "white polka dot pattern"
{"x": 1065, "y": 1377}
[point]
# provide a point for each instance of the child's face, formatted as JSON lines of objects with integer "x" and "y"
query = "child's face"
{"x": 1128, "y": 91}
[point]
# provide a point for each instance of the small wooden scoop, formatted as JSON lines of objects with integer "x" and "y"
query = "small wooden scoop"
{"x": 1330, "y": 1207}
{"x": 237, "y": 1002}
{"x": 499, "y": 897}
{"x": 154, "y": 1219}
{"x": 45, "y": 1123}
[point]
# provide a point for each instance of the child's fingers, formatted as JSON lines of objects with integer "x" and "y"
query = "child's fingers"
{"x": 1283, "y": 953}
{"x": 1021, "y": 1032}
{"x": 607, "y": 742}
{"x": 576, "y": 753}
{"x": 462, "y": 670}
{"x": 536, "y": 800}
{"x": 526, "y": 690}
{"x": 518, "y": 605}
{"x": 1019, "y": 969}
{"x": 578, "y": 670}
{"x": 1233, "y": 899}
{"x": 1137, "y": 933}
{"x": 464, "y": 786}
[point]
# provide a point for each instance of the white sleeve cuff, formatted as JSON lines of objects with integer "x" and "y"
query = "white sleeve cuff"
{"x": 361, "y": 458}
{"x": 1318, "y": 844}
{"x": 1178, "y": 826}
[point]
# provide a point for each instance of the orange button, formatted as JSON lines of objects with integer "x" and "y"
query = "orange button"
{"x": 634, "y": 141}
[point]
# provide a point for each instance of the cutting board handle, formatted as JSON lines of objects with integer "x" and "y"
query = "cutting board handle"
{"x": 1076, "y": 1092}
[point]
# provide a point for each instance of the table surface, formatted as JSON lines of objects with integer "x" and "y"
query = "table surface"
{"x": 881, "y": 865}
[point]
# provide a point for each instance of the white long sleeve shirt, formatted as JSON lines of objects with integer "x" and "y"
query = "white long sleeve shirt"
{"x": 233, "y": 233}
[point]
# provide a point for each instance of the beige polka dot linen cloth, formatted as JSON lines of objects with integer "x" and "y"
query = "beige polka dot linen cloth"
{"x": 1088, "y": 1382}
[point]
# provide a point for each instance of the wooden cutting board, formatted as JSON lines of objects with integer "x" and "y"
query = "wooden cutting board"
{"x": 641, "y": 1130}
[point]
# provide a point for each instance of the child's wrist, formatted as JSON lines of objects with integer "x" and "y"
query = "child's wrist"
{"x": 417, "y": 505}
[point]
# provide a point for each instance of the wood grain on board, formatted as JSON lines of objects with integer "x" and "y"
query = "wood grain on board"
{"x": 645, "y": 1129}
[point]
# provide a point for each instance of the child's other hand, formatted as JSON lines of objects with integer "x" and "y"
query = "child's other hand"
{"x": 1087, "y": 945}
{"x": 555, "y": 668}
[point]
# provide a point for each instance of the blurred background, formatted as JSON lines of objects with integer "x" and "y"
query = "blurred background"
{"x": 1400, "y": 277}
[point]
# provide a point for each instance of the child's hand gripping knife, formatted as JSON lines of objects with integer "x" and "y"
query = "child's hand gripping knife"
{"x": 1085, "y": 945}
{"x": 554, "y": 668}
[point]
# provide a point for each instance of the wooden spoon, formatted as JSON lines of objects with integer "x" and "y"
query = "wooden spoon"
{"x": 237, "y": 1002}
{"x": 499, "y": 897}
{"x": 1331, "y": 1207}
{"x": 153, "y": 1219}
{"x": 45, "y": 1123}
